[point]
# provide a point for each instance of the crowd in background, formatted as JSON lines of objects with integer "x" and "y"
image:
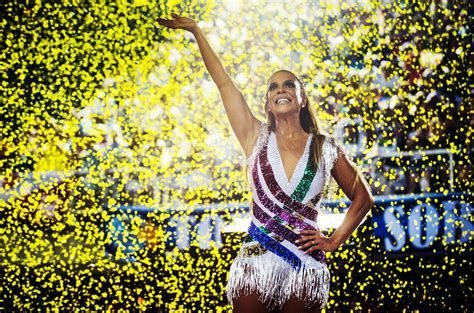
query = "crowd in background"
{"x": 421, "y": 103}
{"x": 417, "y": 107}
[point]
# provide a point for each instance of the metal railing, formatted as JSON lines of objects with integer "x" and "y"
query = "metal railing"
{"x": 422, "y": 153}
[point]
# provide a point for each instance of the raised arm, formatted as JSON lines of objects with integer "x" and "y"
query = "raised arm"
{"x": 242, "y": 121}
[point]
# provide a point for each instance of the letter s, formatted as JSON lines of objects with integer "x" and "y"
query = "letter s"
{"x": 394, "y": 227}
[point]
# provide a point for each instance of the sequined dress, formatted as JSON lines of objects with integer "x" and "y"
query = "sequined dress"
{"x": 269, "y": 261}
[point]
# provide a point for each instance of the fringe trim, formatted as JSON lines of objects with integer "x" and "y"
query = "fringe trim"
{"x": 331, "y": 153}
{"x": 276, "y": 281}
{"x": 261, "y": 140}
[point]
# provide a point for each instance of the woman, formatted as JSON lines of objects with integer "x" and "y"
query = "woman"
{"x": 281, "y": 266}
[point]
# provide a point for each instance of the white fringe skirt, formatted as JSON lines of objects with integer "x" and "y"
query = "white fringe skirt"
{"x": 275, "y": 281}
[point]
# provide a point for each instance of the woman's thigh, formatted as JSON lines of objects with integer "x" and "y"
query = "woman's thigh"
{"x": 249, "y": 304}
{"x": 297, "y": 305}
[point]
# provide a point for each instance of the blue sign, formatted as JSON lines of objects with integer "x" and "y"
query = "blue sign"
{"x": 423, "y": 223}
{"x": 403, "y": 224}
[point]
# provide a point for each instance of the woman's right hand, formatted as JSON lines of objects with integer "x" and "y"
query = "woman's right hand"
{"x": 179, "y": 22}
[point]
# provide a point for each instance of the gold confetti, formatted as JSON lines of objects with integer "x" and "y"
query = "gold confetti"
{"x": 103, "y": 112}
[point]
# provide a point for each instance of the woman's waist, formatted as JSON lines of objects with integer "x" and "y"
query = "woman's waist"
{"x": 270, "y": 215}
{"x": 252, "y": 249}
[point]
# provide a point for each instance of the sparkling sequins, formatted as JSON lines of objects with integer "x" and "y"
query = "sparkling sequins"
{"x": 274, "y": 246}
{"x": 274, "y": 225}
{"x": 248, "y": 239}
{"x": 284, "y": 215}
{"x": 308, "y": 176}
{"x": 276, "y": 190}
{"x": 287, "y": 217}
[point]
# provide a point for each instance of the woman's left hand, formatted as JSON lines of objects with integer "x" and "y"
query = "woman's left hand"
{"x": 311, "y": 240}
{"x": 179, "y": 22}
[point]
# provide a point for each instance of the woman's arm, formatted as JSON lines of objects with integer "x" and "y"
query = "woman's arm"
{"x": 242, "y": 121}
{"x": 359, "y": 194}
{"x": 355, "y": 187}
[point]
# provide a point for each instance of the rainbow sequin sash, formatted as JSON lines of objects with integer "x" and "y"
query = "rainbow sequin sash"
{"x": 277, "y": 233}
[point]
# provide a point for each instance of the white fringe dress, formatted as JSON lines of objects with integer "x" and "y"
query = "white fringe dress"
{"x": 269, "y": 262}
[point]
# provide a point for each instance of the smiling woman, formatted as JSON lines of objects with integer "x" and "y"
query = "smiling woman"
{"x": 281, "y": 266}
{"x": 282, "y": 263}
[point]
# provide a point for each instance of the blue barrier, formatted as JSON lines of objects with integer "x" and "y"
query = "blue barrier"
{"x": 427, "y": 223}
{"x": 402, "y": 223}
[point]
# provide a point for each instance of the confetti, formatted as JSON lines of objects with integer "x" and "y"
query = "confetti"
{"x": 103, "y": 111}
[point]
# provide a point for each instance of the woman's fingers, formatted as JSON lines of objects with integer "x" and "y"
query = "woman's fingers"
{"x": 167, "y": 23}
{"x": 178, "y": 22}
{"x": 306, "y": 241}
{"x": 162, "y": 21}
{"x": 311, "y": 249}
{"x": 309, "y": 232}
{"x": 174, "y": 15}
{"x": 309, "y": 240}
{"x": 309, "y": 243}
{"x": 307, "y": 235}
{"x": 303, "y": 239}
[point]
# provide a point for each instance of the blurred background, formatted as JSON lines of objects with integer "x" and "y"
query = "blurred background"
{"x": 123, "y": 187}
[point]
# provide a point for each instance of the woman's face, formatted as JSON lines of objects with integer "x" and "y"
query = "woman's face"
{"x": 284, "y": 94}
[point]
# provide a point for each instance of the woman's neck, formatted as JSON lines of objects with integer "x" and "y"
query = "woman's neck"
{"x": 289, "y": 128}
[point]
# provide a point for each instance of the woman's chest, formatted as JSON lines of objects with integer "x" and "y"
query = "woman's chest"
{"x": 288, "y": 161}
